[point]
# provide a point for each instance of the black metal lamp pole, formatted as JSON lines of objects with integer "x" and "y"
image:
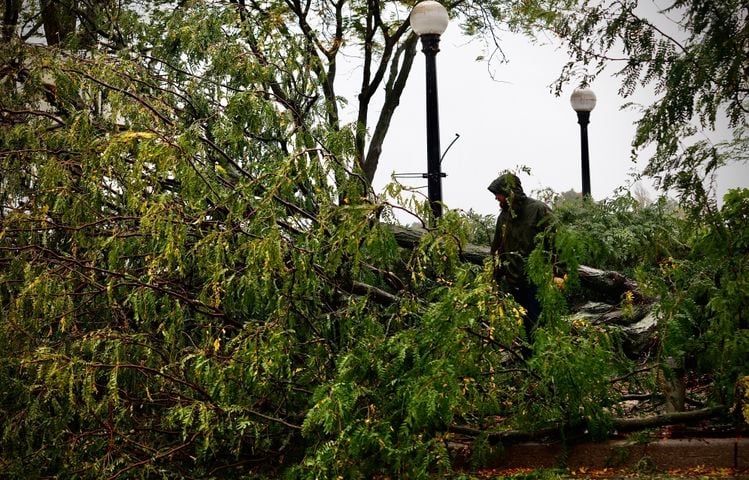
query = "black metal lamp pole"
{"x": 430, "y": 47}
{"x": 583, "y": 118}
{"x": 429, "y": 20}
{"x": 583, "y": 101}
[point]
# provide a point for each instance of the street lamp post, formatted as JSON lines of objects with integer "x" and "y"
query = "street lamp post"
{"x": 583, "y": 101}
{"x": 429, "y": 20}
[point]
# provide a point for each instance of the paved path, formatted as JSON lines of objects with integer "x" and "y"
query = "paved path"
{"x": 655, "y": 454}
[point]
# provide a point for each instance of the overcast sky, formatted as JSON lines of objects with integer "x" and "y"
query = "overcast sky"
{"x": 514, "y": 120}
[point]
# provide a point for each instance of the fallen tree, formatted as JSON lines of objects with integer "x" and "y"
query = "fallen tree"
{"x": 636, "y": 322}
{"x": 608, "y": 284}
{"x": 619, "y": 304}
{"x": 189, "y": 282}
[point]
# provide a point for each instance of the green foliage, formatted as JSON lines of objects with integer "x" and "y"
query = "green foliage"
{"x": 570, "y": 371}
{"x": 479, "y": 229}
{"x": 194, "y": 278}
{"x": 394, "y": 394}
{"x": 171, "y": 287}
{"x": 704, "y": 298}
{"x": 620, "y": 234}
{"x": 693, "y": 261}
{"x": 572, "y": 377}
{"x": 694, "y": 265}
{"x": 181, "y": 287}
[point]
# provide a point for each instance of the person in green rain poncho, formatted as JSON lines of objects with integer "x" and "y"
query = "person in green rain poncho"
{"x": 521, "y": 219}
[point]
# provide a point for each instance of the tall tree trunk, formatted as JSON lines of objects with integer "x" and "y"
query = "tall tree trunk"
{"x": 10, "y": 18}
{"x": 58, "y": 18}
{"x": 393, "y": 91}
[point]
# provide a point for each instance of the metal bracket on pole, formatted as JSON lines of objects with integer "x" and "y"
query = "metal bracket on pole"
{"x": 457, "y": 136}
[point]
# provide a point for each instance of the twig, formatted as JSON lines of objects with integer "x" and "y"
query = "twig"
{"x": 156, "y": 457}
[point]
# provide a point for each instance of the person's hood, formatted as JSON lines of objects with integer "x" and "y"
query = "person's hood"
{"x": 506, "y": 185}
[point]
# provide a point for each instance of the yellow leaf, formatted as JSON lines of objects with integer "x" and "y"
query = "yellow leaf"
{"x": 130, "y": 136}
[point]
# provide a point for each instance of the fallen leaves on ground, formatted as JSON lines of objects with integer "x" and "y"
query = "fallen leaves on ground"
{"x": 612, "y": 473}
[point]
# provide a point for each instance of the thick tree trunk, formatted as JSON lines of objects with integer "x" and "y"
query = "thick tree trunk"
{"x": 10, "y": 18}
{"x": 410, "y": 237}
{"x": 59, "y": 20}
{"x": 618, "y": 424}
{"x": 608, "y": 284}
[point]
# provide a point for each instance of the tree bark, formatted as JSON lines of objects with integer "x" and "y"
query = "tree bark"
{"x": 393, "y": 91}
{"x": 58, "y": 19}
{"x": 10, "y": 18}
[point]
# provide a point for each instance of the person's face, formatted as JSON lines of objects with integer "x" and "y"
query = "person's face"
{"x": 501, "y": 199}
